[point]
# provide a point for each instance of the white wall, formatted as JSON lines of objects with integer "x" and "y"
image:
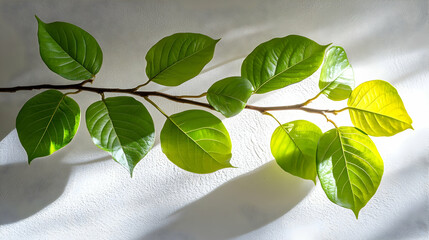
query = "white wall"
{"x": 80, "y": 193}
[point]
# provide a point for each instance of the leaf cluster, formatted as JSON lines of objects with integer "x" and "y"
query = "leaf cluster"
{"x": 345, "y": 159}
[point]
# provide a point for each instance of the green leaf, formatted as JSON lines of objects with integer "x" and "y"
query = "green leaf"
{"x": 336, "y": 78}
{"x": 229, "y": 96}
{"x": 376, "y": 108}
{"x": 196, "y": 141}
{"x": 294, "y": 145}
{"x": 349, "y": 167}
{"x": 46, "y": 123}
{"x": 281, "y": 62}
{"x": 123, "y": 127}
{"x": 68, "y": 50}
{"x": 177, "y": 58}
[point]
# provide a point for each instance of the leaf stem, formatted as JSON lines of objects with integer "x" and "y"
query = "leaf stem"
{"x": 142, "y": 85}
{"x": 335, "y": 112}
{"x": 156, "y": 106}
{"x": 329, "y": 120}
{"x": 75, "y": 92}
{"x": 311, "y": 99}
{"x": 271, "y": 115}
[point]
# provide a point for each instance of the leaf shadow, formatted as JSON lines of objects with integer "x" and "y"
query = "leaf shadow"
{"x": 243, "y": 204}
{"x": 27, "y": 189}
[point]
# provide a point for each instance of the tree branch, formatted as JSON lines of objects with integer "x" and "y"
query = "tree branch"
{"x": 134, "y": 91}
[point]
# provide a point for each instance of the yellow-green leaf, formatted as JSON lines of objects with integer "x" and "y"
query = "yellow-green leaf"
{"x": 336, "y": 78}
{"x": 196, "y": 141}
{"x": 376, "y": 108}
{"x": 349, "y": 167}
{"x": 293, "y": 145}
{"x": 229, "y": 96}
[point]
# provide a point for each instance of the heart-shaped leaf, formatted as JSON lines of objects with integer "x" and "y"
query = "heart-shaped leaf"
{"x": 68, "y": 50}
{"x": 281, "y": 62}
{"x": 349, "y": 167}
{"x": 46, "y": 123}
{"x": 196, "y": 141}
{"x": 336, "y": 78}
{"x": 294, "y": 145}
{"x": 177, "y": 58}
{"x": 123, "y": 127}
{"x": 229, "y": 96}
{"x": 376, "y": 108}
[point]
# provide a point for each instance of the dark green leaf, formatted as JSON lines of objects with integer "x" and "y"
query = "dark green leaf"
{"x": 349, "y": 167}
{"x": 294, "y": 145}
{"x": 68, "y": 50}
{"x": 123, "y": 127}
{"x": 177, "y": 58}
{"x": 229, "y": 96}
{"x": 46, "y": 123}
{"x": 196, "y": 141}
{"x": 336, "y": 78}
{"x": 281, "y": 62}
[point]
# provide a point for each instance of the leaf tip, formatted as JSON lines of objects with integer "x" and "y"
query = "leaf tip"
{"x": 30, "y": 158}
{"x": 130, "y": 170}
{"x": 229, "y": 165}
{"x": 356, "y": 212}
{"x": 314, "y": 181}
{"x": 38, "y": 19}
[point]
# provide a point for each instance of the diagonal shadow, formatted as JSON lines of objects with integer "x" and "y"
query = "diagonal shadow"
{"x": 239, "y": 206}
{"x": 27, "y": 189}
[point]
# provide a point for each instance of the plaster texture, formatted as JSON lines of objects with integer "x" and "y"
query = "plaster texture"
{"x": 80, "y": 193}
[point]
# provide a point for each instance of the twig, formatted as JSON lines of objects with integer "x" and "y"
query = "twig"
{"x": 182, "y": 99}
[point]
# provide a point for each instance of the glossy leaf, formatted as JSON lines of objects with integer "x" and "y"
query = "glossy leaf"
{"x": 177, "y": 58}
{"x": 229, "y": 96}
{"x": 376, "y": 108}
{"x": 46, "y": 123}
{"x": 294, "y": 145}
{"x": 281, "y": 62}
{"x": 68, "y": 50}
{"x": 336, "y": 78}
{"x": 123, "y": 127}
{"x": 349, "y": 167}
{"x": 196, "y": 141}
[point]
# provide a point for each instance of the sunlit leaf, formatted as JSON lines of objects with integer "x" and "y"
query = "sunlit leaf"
{"x": 349, "y": 167}
{"x": 123, "y": 127}
{"x": 336, "y": 78}
{"x": 68, "y": 50}
{"x": 46, "y": 123}
{"x": 281, "y": 62}
{"x": 294, "y": 145}
{"x": 229, "y": 96}
{"x": 177, "y": 58}
{"x": 376, "y": 108}
{"x": 196, "y": 141}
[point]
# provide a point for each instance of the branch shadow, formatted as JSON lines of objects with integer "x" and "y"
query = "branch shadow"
{"x": 245, "y": 203}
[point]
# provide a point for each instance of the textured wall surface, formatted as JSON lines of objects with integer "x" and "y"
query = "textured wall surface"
{"x": 80, "y": 193}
